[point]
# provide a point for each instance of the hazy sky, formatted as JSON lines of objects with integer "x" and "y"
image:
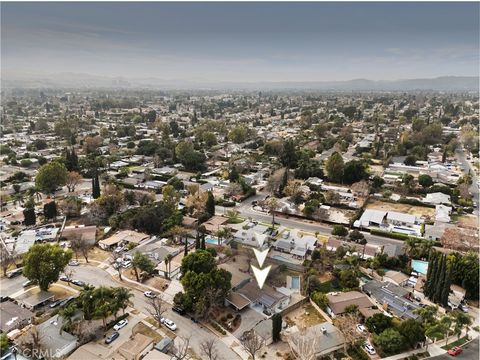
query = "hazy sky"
{"x": 242, "y": 41}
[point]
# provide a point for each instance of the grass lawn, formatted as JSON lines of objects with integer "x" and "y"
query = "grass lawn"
{"x": 459, "y": 342}
{"x": 98, "y": 254}
{"x": 237, "y": 220}
{"x": 145, "y": 330}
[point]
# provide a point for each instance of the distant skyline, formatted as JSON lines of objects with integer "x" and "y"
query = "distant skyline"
{"x": 242, "y": 42}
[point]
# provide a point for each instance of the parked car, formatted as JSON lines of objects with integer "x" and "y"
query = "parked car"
{"x": 64, "y": 278}
{"x": 120, "y": 324}
{"x": 55, "y": 304}
{"x": 14, "y": 273}
{"x": 110, "y": 338}
{"x": 67, "y": 300}
{"x": 28, "y": 283}
{"x": 361, "y": 329}
{"x": 150, "y": 294}
{"x": 119, "y": 249}
{"x": 456, "y": 350}
{"x": 79, "y": 283}
{"x": 369, "y": 348}
{"x": 178, "y": 309}
{"x": 169, "y": 324}
{"x": 73, "y": 263}
{"x": 463, "y": 307}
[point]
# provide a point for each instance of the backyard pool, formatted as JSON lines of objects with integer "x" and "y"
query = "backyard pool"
{"x": 420, "y": 266}
{"x": 212, "y": 240}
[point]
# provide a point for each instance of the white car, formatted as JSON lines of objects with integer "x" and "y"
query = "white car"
{"x": 369, "y": 348}
{"x": 150, "y": 294}
{"x": 361, "y": 329}
{"x": 73, "y": 263}
{"x": 120, "y": 324}
{"x": 169, "y": 324}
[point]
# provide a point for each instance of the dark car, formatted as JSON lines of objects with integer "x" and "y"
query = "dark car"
{"x": 179, "y": 309}
{"x": 66, "y": 301}
{"x": 110, "y": 338}
{"x": 79, "y": 283}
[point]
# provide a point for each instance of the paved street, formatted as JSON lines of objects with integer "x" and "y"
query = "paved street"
{"x": 470, "y": 352}
{"x": 96, "y": 276}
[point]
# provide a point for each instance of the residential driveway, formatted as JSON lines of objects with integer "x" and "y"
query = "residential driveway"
{"x": 174, "y": 288}
{"x": 250, "y": 318}
{"x": 125, "y": 334}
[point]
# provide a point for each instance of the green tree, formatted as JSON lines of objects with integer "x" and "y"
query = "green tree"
{"x": 276, "y": 327}
{"x": 378, "y": 323}
{"x": 95, "y": 186}
{"x": 204, "y": 284}
{"x": 143, "y": 263}
{"x": 122, "y": 297}
{"x": 288, "y": 155}
{"x": 354, "y": 171}
{"x": 43, "y": 263}
{"x": 425, "y": 180}
{"x": 210, "y": 204}
{"x": 3, "y": 343}
{"x": 50, "y": 176}
{"x": 348, "y": 279}
{"x": 339, "y": 230}
{"x": 188, "y": 156}
{"x": 461, "y": 321}
{"x": 320, "y": 299}
{"x": 413, "y": 332}
{"x": 50, "y": 210}
{"x": 390, "y": 341}
{"x": 335, "y": 167}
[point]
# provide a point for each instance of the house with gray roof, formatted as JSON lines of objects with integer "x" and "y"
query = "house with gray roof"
{"x": 324, "y": 337}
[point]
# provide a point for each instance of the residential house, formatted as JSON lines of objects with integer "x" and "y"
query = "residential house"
{"x": 392, "y": 298}
{"x": 437, "y": 198}
{"x": 13, "y": 316}
{"x": 325, "y": 338}
{"x": 267, "y": 299}
{"x": 338, "y": 302}
{"x": 123, "y": 237}
{"x": 135, "y": 348}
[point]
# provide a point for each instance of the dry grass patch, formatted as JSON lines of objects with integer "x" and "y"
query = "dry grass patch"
{"x": 145, "y": 330}
{"x": 305, "y": 316}
{"x": 403, "y": 208}
{"x": 98, "y": 254}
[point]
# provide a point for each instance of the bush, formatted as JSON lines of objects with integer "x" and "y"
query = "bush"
{"x": 218, "y": 328}
{"x": 356, "y": 353}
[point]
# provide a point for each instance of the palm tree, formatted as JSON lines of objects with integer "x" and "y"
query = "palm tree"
{"x": 272, "y": 205}
{"x": 103, "y": 303}
{"x": 168, "y": 261}
{"x": 122, "y": 298}
{"x": 67, "y": 314}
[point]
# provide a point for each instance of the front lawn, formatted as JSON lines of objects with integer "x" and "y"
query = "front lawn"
{"x": 458, "y": 342}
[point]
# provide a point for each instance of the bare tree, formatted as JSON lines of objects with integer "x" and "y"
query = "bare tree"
{"x": 347, "y": 325}
{"x": 7, "y": 257}
{"x": 68, "y": 272}
{"x": 209, "y": 349}
{"x": 81, "y": 246}
{"x": 303, "y": 345}
{"x": 73, "y": 179}
{"x": 117, "y": 265}
{"x": 156, "y": 308}
{"x": 181, "y": 351}
{"x": 252, "y": 343}
{"x": 31, "y": 343}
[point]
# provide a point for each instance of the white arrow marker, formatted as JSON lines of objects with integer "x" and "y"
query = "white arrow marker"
{"x": 261, "y": 275}
{"x": 261, "y": 256}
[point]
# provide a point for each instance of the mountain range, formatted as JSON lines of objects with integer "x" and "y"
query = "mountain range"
{"x": 76, "y": 80}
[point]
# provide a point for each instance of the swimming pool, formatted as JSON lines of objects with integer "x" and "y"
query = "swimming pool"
{"x": 212, "y": 240}
{"x": 420, "y": 266}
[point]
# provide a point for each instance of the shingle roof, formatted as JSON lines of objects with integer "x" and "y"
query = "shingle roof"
{"x": 339, "y": 302}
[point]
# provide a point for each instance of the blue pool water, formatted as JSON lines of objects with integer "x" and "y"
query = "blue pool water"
{"x": 295, "y": 282}
{"x": 420, "y": 266}
{"x": 211, "y": 240}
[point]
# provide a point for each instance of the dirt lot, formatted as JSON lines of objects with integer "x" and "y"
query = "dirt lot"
{"x": 404, "y": 208}
{"x": 147, "y": 331}
{"x": 304, "y": 316}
